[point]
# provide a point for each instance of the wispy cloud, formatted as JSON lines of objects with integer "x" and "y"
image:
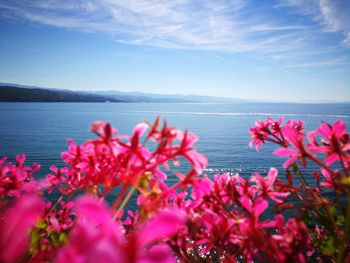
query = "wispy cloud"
{"x": 32, "y": 50}
{"x": 322, "y": 63}
{"x": 217, "y": 25}
{"x": 332, "y": 15}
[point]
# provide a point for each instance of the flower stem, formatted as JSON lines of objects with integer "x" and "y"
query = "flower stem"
{"x": 125, "y": 201}
{"x": 119, "y": 198}
{"x": 300, "y": 174}
{"x": 341, "y": 255}
{"x": 318, "y": 162}
{"x": 55, "y": 205}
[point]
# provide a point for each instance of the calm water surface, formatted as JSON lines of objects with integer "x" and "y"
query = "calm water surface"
{"x": 40, "y": 130}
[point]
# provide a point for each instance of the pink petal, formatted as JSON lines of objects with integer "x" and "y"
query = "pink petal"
{"x": 158, "y": 254}
{"x": 291, "y": 135}
{"x": 14, "y": 230}
{"x": 97, "y": 213}
{"x": 326, "y": 174}
{"x": 346, "y": 147}
{"x": 285, "y": 152}
{"x": 165, "y": 224}
{"x": 246, "y": 203}
{"x": 274, "y": 196}
{"x": 287, "y": 163}
{"x": 327, "y": 185}
{"x": 339, "y": 128}
{"x": 319, "y": 149}
{"x": 20, "y": 159}
{"x": 271, "y": 176}
{"x": 260, "y": 206}
{"x": 198, "y": 161}
{"x": 325, "y": 130}
{"x": 311, "y": 136}
{"x": 140, "y": 129}
{"x": 331, "y": 158}
{"x": 89, "y": 244}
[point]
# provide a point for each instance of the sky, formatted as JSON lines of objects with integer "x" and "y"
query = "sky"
{"x": 287, "y": 50}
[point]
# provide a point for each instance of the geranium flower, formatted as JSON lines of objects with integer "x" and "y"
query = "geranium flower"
{"x": 15, "y": 226}
{"x": 98, "y": 238}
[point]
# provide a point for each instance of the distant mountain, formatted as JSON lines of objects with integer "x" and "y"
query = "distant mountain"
{"x": 153, "y": 97}
{"x": 16, "y": 92}
{"x": 21, "y": 94}
{"x": 143, "y": 97}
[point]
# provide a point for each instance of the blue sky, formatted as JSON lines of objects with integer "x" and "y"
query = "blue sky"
{"x": 290, "y": 50}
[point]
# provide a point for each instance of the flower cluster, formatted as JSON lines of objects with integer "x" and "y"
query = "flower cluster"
{"x": 320, "y": 194}
{"x": 195, "y": 218}
{"x": 225, "y": 222}
{"x": 16, "y": 179}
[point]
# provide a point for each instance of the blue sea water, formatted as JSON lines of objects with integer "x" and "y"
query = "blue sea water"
{"x": 40, "y": 130}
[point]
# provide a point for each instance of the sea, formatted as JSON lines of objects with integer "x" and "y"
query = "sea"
{"x": 40, "y": 130}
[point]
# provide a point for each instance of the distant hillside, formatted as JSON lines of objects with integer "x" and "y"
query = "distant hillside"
{"x": 19, "y": 94}
{"x": 145, "y": 97}
{"x": 153, "y": 97}
{"x": 24, "y": 93}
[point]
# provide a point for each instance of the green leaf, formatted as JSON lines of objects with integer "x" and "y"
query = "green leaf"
{"x": 328, "y": 247}
{"x": 34, "y": 241}
{"x": 340, "y": 220}
{"x": 331, "y": 209}
{"x": 63, "y": 238}
{"x": 54, "y": 237}
{"x": 41, "y": 224}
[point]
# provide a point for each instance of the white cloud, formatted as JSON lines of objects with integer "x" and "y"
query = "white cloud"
{"x": 217, "y": 25}
{"x": 209, "y": 25}
{"x": 336, "y": 15}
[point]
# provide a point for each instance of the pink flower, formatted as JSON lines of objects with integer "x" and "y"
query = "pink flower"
{"x": 266, "y": 186}
{"x": 294, "y": 137}
{"x": 60, "y": 219}
{"x": 275, "y": 125}
{"x": 254, "y": 208}
{"x": 329, "y": 180}
{"x": 104, "y": 130}
{"x": 15, "y": 227}
{"x": 98, "y": 238}
{"x": 95, "y": 238}
{"x": 286, "y": 152}
{"x": 198, "y": 161}
{"x": 335, "y": 142}
{"x": 259, "y": 136}
{"x": 16, "y": 179}
{"x": 273, "y": 131}
{"x": 201, "y": 188}
{"x": 296, "y": 125}
{"x": 270, "y": 130}
{"x": 164, "y": 224}
{"x": 292, "y": 238}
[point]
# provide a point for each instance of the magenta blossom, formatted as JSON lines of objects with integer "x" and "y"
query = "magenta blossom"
{"x": 335, "y": 142}
{"x": 295, "y": 138}
{"x": 17, "y": 179}
{"x": 98, "y": 238}
{"x": 266, "y": 186}
{"x": 16, "y": 225}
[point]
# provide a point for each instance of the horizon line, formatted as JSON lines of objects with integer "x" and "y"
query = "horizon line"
{"x": 247, "y": 100}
